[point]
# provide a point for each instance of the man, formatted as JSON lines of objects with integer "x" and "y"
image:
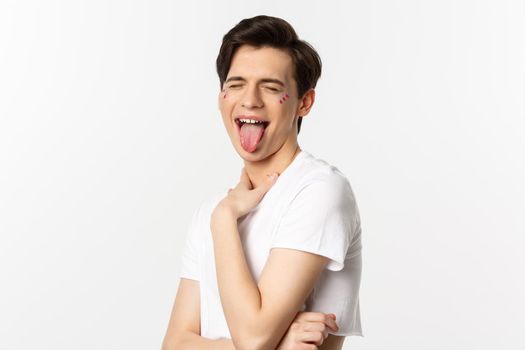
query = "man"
{"x": 272, "y": 246}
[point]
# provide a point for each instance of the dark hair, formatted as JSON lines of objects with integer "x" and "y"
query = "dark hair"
{"x": 273, "y": 32}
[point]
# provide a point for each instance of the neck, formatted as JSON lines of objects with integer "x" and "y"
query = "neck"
{"x": 278, "y": 162}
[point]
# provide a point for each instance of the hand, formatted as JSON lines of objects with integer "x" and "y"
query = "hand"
{"x": 308, "y": 331}
{"x": 243, "y": 197}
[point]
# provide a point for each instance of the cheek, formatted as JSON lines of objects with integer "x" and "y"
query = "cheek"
{"x": 222, "y": 95}
{"x": 283, "y": 98}
{"x": 229, "y": 98}
{"x": 226, "y": 101}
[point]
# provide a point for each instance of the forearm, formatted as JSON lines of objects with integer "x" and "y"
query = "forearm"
{"x": 240, "y": 296}
{"x": 192, "y": 341}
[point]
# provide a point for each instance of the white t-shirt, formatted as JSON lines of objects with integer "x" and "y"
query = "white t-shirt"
{"x": 311, "y": 207}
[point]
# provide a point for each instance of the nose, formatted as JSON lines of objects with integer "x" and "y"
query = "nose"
{"x": 251, "y": 98}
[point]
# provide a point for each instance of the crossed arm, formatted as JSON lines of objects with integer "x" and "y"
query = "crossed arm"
{"x": 183, "y": 331}
{"x": 258, "y": 314}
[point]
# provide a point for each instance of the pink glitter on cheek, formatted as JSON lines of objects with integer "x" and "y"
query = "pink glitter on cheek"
{"x": 284, "y": 98}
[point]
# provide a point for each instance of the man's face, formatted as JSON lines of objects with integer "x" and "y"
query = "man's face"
{"x": 260, "y": 85}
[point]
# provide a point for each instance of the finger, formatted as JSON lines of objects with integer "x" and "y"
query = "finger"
{"x": 320, "y": 317}
{"x": 266, "y": 185}
{"x": 273, "y": 176}
{"x": 330, "y": 322}
{"x": 314, "y": 337}
{"x": 315, "y": 327}
{"x": 260, "y": 191}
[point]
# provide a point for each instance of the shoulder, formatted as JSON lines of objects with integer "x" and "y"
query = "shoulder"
{"x": 206, "y": 206}
{"x": 320, "y": 190}
{"x": 201, "y": 213}
{"x": 323, "y": 181}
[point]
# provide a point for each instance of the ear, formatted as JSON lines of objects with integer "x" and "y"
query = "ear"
{"x": 220, "y": 95}
{"x": 306, "y": 102}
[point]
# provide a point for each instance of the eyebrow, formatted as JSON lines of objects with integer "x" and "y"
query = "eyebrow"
{"x": 264, "y": 80}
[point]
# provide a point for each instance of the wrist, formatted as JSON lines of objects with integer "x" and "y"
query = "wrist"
{"x": 221, "y": 215}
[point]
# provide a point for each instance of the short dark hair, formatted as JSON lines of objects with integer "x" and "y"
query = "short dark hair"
{"x": 260, "y": 31}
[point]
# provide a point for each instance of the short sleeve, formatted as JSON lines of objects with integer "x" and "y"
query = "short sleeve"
{"x": 320, "y": 219}
{"x": 338, "y": 293}
{"x": 190, "y": 254}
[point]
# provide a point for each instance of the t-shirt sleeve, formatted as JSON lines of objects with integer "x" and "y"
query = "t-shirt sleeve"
{"x": 190, "y": 254}
{"x": 320, "y": 219}
{"x": 338, "y": 293}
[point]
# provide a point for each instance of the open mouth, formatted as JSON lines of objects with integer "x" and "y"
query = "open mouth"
{"x": 240, "y": 123}
{"x": 251, "y": 132}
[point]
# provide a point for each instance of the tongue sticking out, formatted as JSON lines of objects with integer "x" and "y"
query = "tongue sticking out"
{"x": 251, "y": 135}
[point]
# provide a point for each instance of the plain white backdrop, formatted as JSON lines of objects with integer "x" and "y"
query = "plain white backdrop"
{"x": 110, "y": 136}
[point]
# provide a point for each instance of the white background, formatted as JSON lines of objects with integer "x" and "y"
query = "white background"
{"x": 110, "y": 136}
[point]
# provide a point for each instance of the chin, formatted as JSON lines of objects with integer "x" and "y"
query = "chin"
{"x": 245, "y": 155}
